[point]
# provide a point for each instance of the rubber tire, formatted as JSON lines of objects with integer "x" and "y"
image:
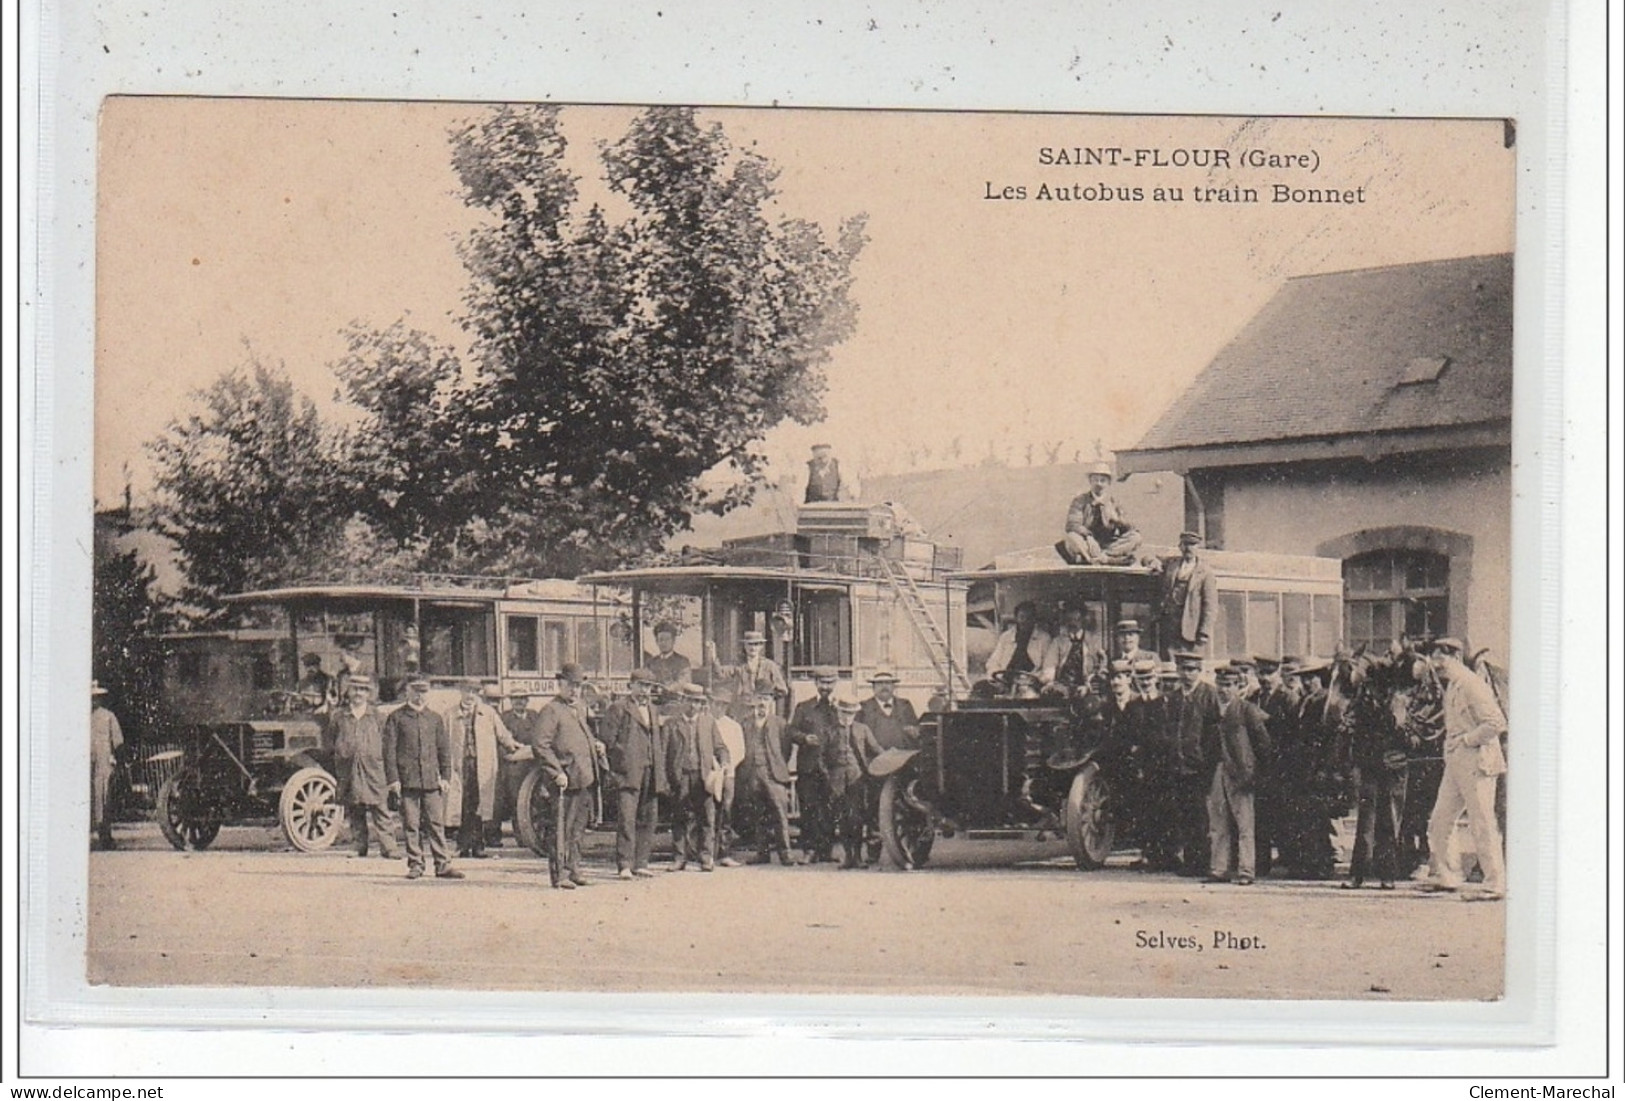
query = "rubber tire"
{"x": 180, "y": 832}
{"x": 1089, "y": 827}
{"x": 533, "y": 812}
{"x": 895, "y": 813}
{"x": 309, "y": 810}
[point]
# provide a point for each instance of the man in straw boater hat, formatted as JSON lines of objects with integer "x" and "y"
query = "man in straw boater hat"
{"x": 355, "y": 732}
{"x": 756, "y": 672}
{"x": 1188, "y": 598}
{"x": 1473, "y": 764}
{"x": 635, "y": 749}
{"x": 889, "y": 717}
{"x": 106, "y": 741}
{"x": 1098, "y": 532}
{"x": 846, "y": 760}
{"x": 418, "y": 767}
{"x": 566, "y": 750}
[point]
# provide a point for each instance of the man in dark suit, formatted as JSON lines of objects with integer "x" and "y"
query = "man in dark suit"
{"x": 565, "y": 747}
{"x": 417, "y": 767}
{"x": 812, "y": 729}
{"x": 766, "y": 775}
{"x": 1189, "y": 598}
{"x": 846, "y": 760}
{"x": 1197, "y": 737}
{"x": 890, "y": 719}
{"x": 636, "y": 754}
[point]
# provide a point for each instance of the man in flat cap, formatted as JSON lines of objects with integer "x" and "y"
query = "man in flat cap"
{"x": 1473, "y": 764}
{"x": 694, "y": 754}
{"x": 823, "y": 475}
{"x": 1243, "y": 737}
{"x": 767, "y": 777}
{"x": 479, "y": 742}
{"x": 846, "y": 761}
{"x": 1302, "y": 757}
{"x": 106, "y": 741}
{"x": 418, "y": 767}
{"x": 1188, "y": 597}
{"x": 1197, "y": 740}
{"x": 1098, "y": 533}
{"x": 635, "y": 749}
{"x": 520, "y": 719}
{"x": 812, "y": 729}
{"x": 1279, "y": 703}
{"x": 568, "y": 755}
{"x": 1155, "y": 706}
{"x": 355, "y": 732}
{"x": 756, "y": 672}
{"x": 889, "y": 717}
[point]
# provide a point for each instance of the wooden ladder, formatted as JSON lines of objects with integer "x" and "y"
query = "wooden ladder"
{"x": 925, "y": 625}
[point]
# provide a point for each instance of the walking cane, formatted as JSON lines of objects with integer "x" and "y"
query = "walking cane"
{"x": 558, "y": 831}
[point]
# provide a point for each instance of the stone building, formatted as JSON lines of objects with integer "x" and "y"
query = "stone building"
{"x": 1366, "y": 416}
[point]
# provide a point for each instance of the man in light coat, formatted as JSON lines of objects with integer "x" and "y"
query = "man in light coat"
{"x": 1189, "y": 598}
{"x": 1023, "y": 646}
{"x": 1473, "y": 762}
{"x": 479, "y": 742}
{"x": 1243, "y": 737}
{"x": 355, "y": 731}
{"x": 106, "y": 739}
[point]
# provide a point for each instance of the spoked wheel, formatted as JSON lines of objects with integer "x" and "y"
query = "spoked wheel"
{"x": 186, "y": 818}
{"x": 309, "y": 810}
{"x": 1089, "y": 818}
{"x": 906, "y": 832}
{"x": 533, "y": 819}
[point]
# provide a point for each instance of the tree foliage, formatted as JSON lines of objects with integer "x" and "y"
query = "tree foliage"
{"x": 128, "y": 619}
{"x": 623, "y": 372}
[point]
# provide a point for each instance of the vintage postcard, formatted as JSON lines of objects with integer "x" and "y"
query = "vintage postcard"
{"x": 672, "y": 550}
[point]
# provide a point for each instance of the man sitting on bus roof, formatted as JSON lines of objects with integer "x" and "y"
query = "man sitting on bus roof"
{"x": 1097, "y": 531}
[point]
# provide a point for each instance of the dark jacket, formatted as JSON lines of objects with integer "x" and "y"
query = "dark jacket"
{"x": 813, "y": 718}
{"x": 692, "y": 746}
{"x": 417, "y": 749}
{"x": 899, "y": 730}
{"x": 850, "y": 751}
{"x": 1198, "y": 728}
{"x": 358, "y": 756}
{"x": 564, "y": 744}
{"x": 767, "y": 749}
{"x": 1243, "y": 737}
{"x": 635, "y": 748}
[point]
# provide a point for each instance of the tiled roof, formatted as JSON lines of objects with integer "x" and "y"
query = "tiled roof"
{"x": 1327, "y": 356}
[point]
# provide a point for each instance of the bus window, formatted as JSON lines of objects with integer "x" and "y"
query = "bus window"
{"x": 1328, "y": 629}
{"x": 826, "y": 630}
{"x": 1263, "y": 624}
{"x": 620, "y": 648}
{"x": 524, "y": 644}
{"x": 1295, "y": 633}
{"x": 457, "y": 640}
{"x": 555, "y": 645}
{"x": 1230, "y": 628}
{"x": 588, "y": 651}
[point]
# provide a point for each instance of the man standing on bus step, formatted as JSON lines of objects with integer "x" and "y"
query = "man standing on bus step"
{"x": 890, "y": 718}
{"x": 693, "y": 754}
{"x": 767, "y": 776}
{"x": 812, "y": 729}
{"x": 1097, "y": 531}
{"x": 1243, "y": 738}
{"x": 355, "y": 733}
{"x": 1189, "y": 598}
{"x": 635, "y": 749}
{"x": 520, "y": 720}
{"x": 417, "y": 766}
{"x": 481, "y": 741}
{"x": 755, "y": 673}
{"x": 668, "y": 667}
{"x": 568, "y": 754}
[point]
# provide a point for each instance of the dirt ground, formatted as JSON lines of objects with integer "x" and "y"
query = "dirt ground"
{"x": 987, "y": 917}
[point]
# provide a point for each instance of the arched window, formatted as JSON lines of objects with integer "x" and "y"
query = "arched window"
{"x": 1388, "y": 593}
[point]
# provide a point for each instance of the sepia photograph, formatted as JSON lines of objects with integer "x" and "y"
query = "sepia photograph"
{"x": 613, "y": 549}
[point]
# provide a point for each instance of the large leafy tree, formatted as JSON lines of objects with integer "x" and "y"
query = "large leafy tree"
{"x": 252, "y": 486}
{"x": 128, "y": 618}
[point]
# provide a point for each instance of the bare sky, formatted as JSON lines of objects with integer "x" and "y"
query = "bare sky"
{"x": 999, "y": 323}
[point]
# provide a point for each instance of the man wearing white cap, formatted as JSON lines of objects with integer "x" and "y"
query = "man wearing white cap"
{"x": 1473, "y": 764}
{"x": 106, "y": 739}
{"x": 355, "y": 730}
{"x": 1098, "y": 533}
